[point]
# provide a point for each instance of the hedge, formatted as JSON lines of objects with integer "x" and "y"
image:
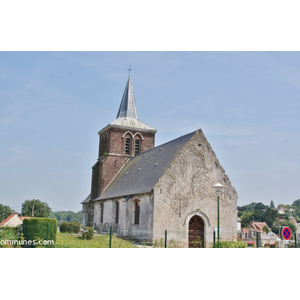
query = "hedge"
{"x": 71, "y": 227}
{"x": 35, "y": 231}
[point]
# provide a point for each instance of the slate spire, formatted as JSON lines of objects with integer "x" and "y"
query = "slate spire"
{"x": 128, "y": 106}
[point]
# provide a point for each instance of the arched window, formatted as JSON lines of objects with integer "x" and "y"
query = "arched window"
{"x": 137, "y": 204}
{"x": 127, "y": 145}
{"x": 103, "y": 144}
{"x": 117, "y": 212}
{"x": 101, "y": 213}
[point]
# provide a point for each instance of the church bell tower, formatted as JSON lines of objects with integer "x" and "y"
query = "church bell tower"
{"x": 123, "y": 138}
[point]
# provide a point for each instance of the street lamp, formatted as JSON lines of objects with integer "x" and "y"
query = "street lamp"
{"x": 218, "y": 187}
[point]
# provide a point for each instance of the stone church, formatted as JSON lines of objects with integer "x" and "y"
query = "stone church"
{"x": 141, "y": 190}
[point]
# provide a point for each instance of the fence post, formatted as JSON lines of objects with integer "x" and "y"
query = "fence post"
{"x": 295, "y": 240}
{"x": 110, "y": 236}
{"x": 166, "y": 238}
{"x": 47, "y": 235}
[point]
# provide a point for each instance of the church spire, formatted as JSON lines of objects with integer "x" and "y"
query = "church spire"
{"x": 128, "y": 106}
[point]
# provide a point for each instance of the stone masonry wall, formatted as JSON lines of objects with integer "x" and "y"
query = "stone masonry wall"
{"x": 186, "y": 189}
{"x": 126, "y": 226}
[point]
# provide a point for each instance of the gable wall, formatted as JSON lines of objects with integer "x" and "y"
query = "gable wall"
{"x": 13, "y": 221}
{"x": 186, "y": 189}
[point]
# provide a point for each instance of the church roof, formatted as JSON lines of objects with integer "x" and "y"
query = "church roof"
{"x": 87, "y": 199}
{"x": 141, "y": 172}
{"x": 127, "y": 115}
{"x": 128, "y": 106}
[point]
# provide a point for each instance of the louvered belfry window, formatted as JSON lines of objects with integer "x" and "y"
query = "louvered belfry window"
{"x": 137, "y": 212}
{"x": 127, "y": 145}
{"x": 137, "y": 147}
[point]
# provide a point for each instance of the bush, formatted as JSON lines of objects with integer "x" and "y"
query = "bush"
{"x": 232, "y": 244}
{"x": 9, "y": 237}
{"x": 35, "y": 231}
{"x": 71, "y": 227}
{"x": 88, "y": 233}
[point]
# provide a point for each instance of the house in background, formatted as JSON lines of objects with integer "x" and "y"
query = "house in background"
{"x": 13, "y": 220}
{"x": 260, "y": 228}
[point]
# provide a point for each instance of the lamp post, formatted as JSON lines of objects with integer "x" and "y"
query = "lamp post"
{"x": 218, "y": 187}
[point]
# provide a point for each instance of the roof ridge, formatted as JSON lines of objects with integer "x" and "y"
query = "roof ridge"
{"x": 164, "y": 144}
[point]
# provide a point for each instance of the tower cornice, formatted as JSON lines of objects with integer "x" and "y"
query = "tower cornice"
{"x": 128, "y": 124}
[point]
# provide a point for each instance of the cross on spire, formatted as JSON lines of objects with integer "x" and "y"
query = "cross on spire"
{"x": 129, "y": 69}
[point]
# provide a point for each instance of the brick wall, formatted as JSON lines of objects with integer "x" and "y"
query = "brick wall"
{"x": 112, "y": 155}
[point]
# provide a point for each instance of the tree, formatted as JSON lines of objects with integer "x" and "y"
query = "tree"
{"x": 259, "y": 205}
{"x": 270, "y": 216}
{"x": 266, "y": 229}
{"x": 5, "y": 211}
{"x": 247, "y": 217}
{"x": 66, "y": 216}
{"x": 37, "y": 207}
{"x": 258, "y": 216}
{"x": 272, "y": 205}
{"x": 296, "y": 203}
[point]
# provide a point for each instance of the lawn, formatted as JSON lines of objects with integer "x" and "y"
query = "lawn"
{"x": 67, "y": 240}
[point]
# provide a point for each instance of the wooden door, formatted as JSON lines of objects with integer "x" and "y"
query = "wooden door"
{"x": 196, "y": 232}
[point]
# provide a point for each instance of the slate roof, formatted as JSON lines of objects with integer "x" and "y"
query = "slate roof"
{"x": 128, "y": 106}
{"x": 87, "y": 199}
{"x": 127, "y": 117}
{"x": 142, "y": 172}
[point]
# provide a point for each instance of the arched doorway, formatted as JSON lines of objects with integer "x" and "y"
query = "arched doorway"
{"x": 196, "y": 232}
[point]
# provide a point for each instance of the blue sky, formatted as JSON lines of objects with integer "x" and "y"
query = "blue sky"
{"x": 54, "y": 103}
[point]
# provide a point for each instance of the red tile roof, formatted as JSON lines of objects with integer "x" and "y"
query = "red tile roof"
{"x": 22, "y": 218}
{"x": 258, "y": 226}
{"x": 10, "y": 216}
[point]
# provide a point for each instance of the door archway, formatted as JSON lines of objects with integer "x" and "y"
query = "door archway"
{"x": 196, "y": 232}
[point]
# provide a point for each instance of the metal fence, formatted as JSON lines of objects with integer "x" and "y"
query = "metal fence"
{"x": 174, "y": 239}
{"x": 149, "y": 239}
{"x": 183, "y": 239}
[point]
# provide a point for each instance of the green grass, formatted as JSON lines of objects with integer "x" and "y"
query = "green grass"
{"x": 66, "y": 240}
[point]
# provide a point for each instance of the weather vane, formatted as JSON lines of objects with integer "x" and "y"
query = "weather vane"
{"x": 129, "y": 69}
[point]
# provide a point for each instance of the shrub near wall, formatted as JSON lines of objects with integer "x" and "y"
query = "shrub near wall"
{"x": 71, "y": 227}
{"x": 35, "y": 230}
{"x": 88, "y": 233}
